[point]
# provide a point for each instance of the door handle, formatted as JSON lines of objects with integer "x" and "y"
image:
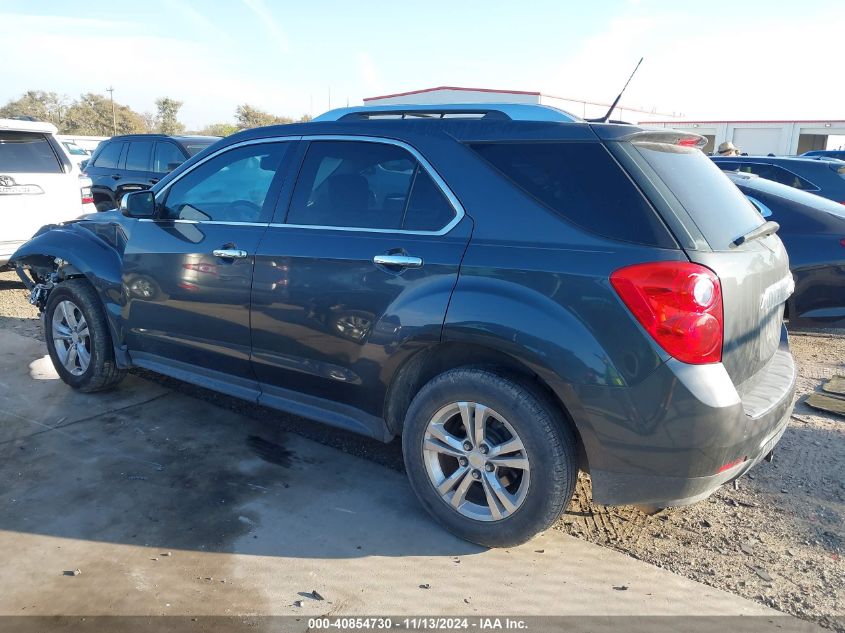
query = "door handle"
{"x": 229, "y": 253}
{"x": 401, "y": 261}
{"x": 116, "y": 176}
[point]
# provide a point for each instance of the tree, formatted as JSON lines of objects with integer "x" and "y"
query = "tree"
{"x": 219, "y": 129}
{"x": 38, "y": 104}
{"x": 92, "y": 115}
{"x": 167, "y": 117}
{"x": 250, "y": 117}
{"x": 149, "y": 122}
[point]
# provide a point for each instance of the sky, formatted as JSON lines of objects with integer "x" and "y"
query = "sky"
{"x": 708, "y": 59}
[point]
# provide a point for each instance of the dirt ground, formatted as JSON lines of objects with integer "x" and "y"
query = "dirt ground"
{"x": 779, "y": 539}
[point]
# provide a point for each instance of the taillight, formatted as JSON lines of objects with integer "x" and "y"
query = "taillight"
{"x": 87, "y": 197}
{"x": 842, "y": 241}
{"x": 679, "y": 304}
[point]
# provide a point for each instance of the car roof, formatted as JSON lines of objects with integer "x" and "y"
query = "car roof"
{"x": 19, "y": 125}
{"x": 182, "y": 138}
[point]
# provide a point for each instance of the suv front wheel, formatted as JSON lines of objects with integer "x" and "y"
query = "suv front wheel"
{"x": 489, "y": 458}
{"x": 78, "y": 337}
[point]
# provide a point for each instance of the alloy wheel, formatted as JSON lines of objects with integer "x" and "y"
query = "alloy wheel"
{"x": 476, "y": 461}
{"x": 71, "y": 337}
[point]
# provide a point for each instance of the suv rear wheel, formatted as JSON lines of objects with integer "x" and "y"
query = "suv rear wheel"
{"x": 78, "y": 337}
{"x": 488, "y": 458}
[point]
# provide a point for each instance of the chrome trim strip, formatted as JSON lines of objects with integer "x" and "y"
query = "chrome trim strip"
{"x": 204, "y": 222}
{"x": 441, "y": 184}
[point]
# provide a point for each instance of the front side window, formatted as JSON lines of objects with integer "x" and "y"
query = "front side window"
{"x": 357, "y": 184}
{"x": 138, "y": 155}
{"x": 109, "y": 157}
{"x": 27, "y": 152}
{"x": 231, "y": 187}
{"x": 168, "y": 157}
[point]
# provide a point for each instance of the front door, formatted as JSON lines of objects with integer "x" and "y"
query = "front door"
{"x": 357, "y": 273}
{"x": 187, "y": 274}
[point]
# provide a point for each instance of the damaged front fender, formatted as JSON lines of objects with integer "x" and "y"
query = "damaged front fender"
{"x": 75, "y": 249}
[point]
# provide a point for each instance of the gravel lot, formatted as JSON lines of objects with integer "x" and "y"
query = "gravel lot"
{"x": 779, "y": 539}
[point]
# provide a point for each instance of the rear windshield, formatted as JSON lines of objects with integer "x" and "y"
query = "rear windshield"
{"x": 717, "y": 207}
{"x": 27, "y": 152}
{"x": 583, "y": 183}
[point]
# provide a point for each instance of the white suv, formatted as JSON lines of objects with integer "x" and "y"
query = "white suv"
{"x": 39, "y": 184}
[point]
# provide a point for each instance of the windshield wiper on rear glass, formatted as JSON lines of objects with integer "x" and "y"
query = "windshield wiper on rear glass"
{"x": 764, "y": 230}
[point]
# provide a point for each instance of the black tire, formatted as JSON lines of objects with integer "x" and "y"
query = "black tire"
{"x": 102, "y": 372}
{"x": 548, "y": 440}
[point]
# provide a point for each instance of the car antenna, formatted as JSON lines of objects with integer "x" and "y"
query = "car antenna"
{"x": 606, "y": 117}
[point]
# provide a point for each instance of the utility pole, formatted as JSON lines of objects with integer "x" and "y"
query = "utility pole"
{"x": 110, "y": 90}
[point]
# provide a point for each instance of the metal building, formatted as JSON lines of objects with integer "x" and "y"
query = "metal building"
{"x": 783, "y": 138}
{"x": 455, "y": 94}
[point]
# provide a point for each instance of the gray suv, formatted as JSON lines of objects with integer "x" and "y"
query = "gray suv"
{"x": 518, "y": 293}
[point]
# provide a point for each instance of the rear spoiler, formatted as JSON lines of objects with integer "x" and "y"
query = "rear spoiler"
{"x": 667, "y": 137}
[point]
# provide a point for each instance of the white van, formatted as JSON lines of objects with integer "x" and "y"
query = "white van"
{"x": 39, "y": 183}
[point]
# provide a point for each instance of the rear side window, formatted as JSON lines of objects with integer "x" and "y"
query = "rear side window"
{"x": 366, "y": 185}
{"x": 778, "y": 174}
{"x": 27, "y": 152}
{"x": 583, "y": 183}
{"x": 138, "y": 156}
{"x": 714, "y": 203}
{"x": 109, "y": 156}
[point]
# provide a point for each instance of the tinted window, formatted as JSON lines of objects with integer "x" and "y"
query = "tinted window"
{"x": 366, "y": 185}
{"x": 778, "y": 174}
{"x": 167, "y": 157}
{"x": 717, "y": 207}
{"x": 231, "y": 187}
{"x": 108, "y": 158}
{"x": 27, "y": 152}
{"x": 583, "y": 183}
{"x": 138, "y": 156}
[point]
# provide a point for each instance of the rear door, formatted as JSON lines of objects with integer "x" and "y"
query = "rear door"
{"x": 356, "y": 273}
{"x": 34, "y": 188}
{"x": 693, "y": 193}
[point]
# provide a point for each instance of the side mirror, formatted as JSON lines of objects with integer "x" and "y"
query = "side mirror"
{"x": 83, "y": 164}
{"x": 172, "y": 166}
{"x": 138, "y": 204}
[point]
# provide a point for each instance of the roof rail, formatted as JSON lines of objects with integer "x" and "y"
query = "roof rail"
{"x": 501, "y": 111}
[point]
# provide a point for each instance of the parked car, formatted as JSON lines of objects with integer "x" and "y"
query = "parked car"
{"x": 824, "y": 178}
{"x": 77, "y": 154}
{"x": 812, "y": 229}
{"x": 516, "y": 292}
{"x": 829, "y": 153}
{"x": 136, "y": 162}
{"x": 39, "y": 184}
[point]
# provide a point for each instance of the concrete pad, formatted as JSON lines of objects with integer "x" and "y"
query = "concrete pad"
{"x": 171, "y": 505}
{"x": 31, "y": 403}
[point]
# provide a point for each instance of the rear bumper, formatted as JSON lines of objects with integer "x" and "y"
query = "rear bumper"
{"x": 676, "y": 438}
